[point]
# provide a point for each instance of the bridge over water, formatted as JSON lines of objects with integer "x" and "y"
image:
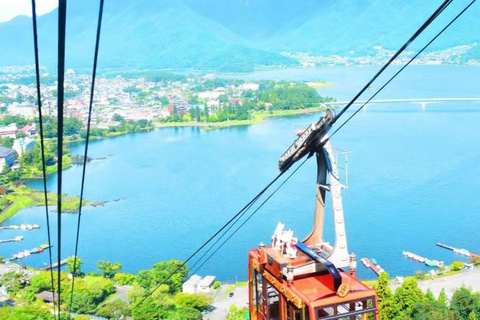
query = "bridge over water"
{"x": 422, "y": 101}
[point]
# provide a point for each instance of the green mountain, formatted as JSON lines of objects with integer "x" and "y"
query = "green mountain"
{"x": 136, "y": 34}
{"x": 233, "y": 35}
{"x": 350, "y": 25}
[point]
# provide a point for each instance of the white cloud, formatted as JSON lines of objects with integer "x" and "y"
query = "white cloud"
{"x": 9, "y": 9}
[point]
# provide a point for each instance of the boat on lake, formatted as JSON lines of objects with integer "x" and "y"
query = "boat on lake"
{"x": 429, "y": 263}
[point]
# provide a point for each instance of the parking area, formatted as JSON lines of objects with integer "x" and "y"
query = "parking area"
{"x": 224, "y": 299}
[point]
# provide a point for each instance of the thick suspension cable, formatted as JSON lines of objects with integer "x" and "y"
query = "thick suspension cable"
{"x": 247, "y": 206}
{"x": 85, "y": 156}
{"x": 420, "y": 30}
{"x": 62, "y": 18}
{"x": 42, "y": 145}
{"x": 249, "y": 217}
{"x": 406, "y": 65}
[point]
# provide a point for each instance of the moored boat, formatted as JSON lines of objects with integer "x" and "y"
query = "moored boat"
{"x": 37, "y": 250}
{"x": 429, "y": 263}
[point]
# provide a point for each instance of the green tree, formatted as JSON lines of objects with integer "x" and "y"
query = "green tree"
{"x": 28, "y": 312}
{"x": 109, "y": 269}
{"x": 464, "y": 301}
{"x": 442, "y": 298}
{"x": 197, "y": 301}
{"x": 124, "y": 278}
{"x": 135, "y": 294}
{"x": 427, "y": 310}
{"x": 72, "y": 126}
{"x": 73, "y": 265}
{"x": 12, "y": 281}
{"x": 117, "y": 117}
{"x": 90, "y": 292}
{"x": 472, "y": 316}
{"x": 406, "y": 296}
{"x": 164, "y": 101}
{"x": 430, "y": 297}
{"x": 236, "y": 314}
{"x": 149, "y": 309}
{"x": 115, "y": 310}
{"x": 6, "y": 142}
{"x": 205, "y": 111}
{"x": 384, "y": 296}
{"x": 457, "y": 265}
{"x": 171, "y": 273}
{"x": 187, "y": 314}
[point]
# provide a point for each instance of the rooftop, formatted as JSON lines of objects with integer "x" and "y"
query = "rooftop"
{"x": 193, "y": 280}
{"x": 4, "y": 152}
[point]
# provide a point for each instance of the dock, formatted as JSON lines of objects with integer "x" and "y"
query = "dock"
{"x": 428, "y": 262}
{"x": 464, "y": 252}
{"x": 26, "y": 253}
{"x": 53, "y": 266}
{"x": 370, "y": 265}
{"x": 23, "y": 226}
{"x": 414, "y": 256}
{"x": 16, "y": 239}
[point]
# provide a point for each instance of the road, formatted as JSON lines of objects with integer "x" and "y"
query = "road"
{"x": 223, "y": 302}
{"x": 468, "y": 278}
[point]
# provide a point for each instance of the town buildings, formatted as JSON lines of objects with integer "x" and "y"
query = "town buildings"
{"x": 7, "y": 157}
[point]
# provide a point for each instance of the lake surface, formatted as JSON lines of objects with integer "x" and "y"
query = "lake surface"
{"x": 413, "y": 181}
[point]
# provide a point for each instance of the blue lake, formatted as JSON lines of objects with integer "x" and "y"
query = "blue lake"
{"x": 413, "y": 181}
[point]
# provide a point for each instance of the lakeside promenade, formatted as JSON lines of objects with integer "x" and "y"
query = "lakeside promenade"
{"x": 467, "y": 278}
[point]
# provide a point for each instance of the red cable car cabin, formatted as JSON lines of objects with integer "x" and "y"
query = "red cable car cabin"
{"x": 277, "y": 293}
{"x": 293, "y": 280}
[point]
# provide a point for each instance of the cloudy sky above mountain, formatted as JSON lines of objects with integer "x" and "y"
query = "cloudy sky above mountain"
{"x": 9, "y": 9}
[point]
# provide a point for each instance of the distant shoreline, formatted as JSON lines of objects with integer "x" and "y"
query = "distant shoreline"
{"x": 258, "y": 117}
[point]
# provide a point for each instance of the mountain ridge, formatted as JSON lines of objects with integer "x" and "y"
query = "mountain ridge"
{"x": 234, "y": 35}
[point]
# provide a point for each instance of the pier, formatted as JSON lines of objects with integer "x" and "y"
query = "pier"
{"x": 26, "y": 253}
{"x": 428, "y": 262}
{"x": 53, "y": 266}
{"x": 16, "y": 239}
{"x": 23, "y": 226}
{"x": 370, "y": 265}
{"x": 464, "y": 252}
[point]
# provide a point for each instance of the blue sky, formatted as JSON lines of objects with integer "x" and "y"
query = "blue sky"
{"x": 9, "y": 9}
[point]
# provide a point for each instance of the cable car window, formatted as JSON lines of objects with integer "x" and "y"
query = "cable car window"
{"x": 293, "y": 313}
{"x": 273, "y": 303}
{"x": 259, "y": 292}
{"x": 361, "y": 310}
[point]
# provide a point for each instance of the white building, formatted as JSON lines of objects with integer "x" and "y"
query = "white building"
{"x": 24, "y": 110}
{"x": 23, "y": 145}
{"x": 190, "y": 286}
{"x": 250, "y": 86}
{"x": 209, "y": 95}
{"x": 9, "y": 131}
{"x": 206, "y": 284}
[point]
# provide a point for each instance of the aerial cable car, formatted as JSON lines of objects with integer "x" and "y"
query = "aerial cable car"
{"x": 292, "y": 280}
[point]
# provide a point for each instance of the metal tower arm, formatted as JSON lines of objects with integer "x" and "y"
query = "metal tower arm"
{"x": 314, "y": 140}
